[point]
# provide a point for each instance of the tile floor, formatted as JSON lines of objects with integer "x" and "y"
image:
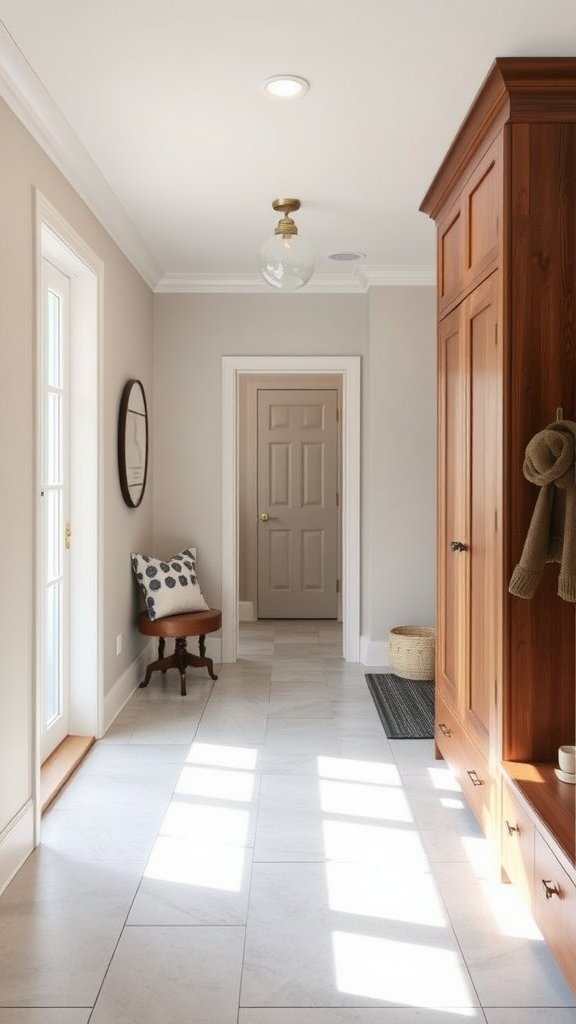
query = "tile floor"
{"x": 259, "y": 853}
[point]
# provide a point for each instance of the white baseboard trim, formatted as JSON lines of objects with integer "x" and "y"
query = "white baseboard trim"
{"x": 126, "y": 684}
{"x": 16, "y": 844}
{"x": 374, "y": 653}
{"x": 246, "y": 611}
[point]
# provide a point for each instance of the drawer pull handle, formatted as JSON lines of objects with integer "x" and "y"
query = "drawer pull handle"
{"x": 474, "y": 778}
{"x": 512, "y": 828}
{"x": 550, "y": 888}
{"x": 444, "y": 729}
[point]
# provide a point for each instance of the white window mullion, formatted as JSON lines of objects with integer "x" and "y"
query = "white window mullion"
{"x": 54, "y": 507}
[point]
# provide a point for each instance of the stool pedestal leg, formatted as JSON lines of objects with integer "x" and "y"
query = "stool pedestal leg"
{"x": 180, "y": 659}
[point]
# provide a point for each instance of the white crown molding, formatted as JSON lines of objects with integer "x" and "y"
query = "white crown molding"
{"x": 34, "y": 107}
{"x": 252, "y": 284}
{"x": 403, "y": 274}
{"x": 359, "y": 282}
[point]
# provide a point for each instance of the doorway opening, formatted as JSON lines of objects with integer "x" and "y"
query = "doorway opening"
{"x": 62, "y": 251}
{"x": 290, "y": 482}
{"x": 347, "y": 370}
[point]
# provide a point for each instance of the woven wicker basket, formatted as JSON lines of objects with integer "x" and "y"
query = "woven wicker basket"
{"x": 412, "y": 651}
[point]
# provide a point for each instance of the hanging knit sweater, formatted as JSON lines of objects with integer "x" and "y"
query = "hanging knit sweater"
{"x": 550, "y": 462}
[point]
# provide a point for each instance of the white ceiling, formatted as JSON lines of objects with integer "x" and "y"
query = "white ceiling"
{"x": 154, "y": 110}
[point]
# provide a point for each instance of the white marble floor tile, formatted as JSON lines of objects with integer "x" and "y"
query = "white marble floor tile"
{"x": 369, "y": 1015}
{"x": 298, "y": 670}
{"x": 268, "y": 805}
{"x": 299, "y": 735}
{"x": 299, "y": 704}
{"x": 119, "y": 838}
{"x": 343, "y": 935}
{"x": 289, "y": 819}
{"x": 45, "y": 1015}
{"x": 191, "y": 883}
{"x": 530, "y": 1015}
{"x": 173, "y": 974}
{"x": 234, "y": 721}
{"x": 506, "y": 955}
{"x": 56, "y": 952}
{"x": 366, "y": 748}
{"x": 299, "y": 651}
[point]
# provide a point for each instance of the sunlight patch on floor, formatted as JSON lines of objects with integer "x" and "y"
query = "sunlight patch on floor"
{"x": 354, "y": 841}
{"x": 451, "y": 803}
{"x": 202, "y": 840}
{"x": 401, "y": 973}
{"x": 444, "y": 778}
{"x": 510, "y": 914}
{"x": 242, "y": 758}
{"x": 227, "y": 825}
{"x": 361, "y": 801}
{"x": 387, "y": 894}
{"x": 216, "y": 783}
{"x": 188, "y": 862}
{"x": 350, "y": 770}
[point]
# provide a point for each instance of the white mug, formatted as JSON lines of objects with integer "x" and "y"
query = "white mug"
{"x": 567, "y": 759}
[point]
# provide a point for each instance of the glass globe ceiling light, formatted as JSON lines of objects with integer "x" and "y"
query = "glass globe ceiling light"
{"x": 286, "y": 261}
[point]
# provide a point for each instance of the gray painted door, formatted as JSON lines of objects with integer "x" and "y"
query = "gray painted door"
{"x": 297, "y": 504}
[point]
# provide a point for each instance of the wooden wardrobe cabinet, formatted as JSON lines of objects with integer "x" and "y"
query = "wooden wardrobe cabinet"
{"x": 504, "y": 204}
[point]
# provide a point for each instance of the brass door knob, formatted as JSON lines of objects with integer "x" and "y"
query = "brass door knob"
{"x": 264, "y": 517}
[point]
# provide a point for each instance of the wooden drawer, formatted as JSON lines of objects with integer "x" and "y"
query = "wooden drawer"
{"x": 469, "y": 766}
{"x": 478, "y": 786}
{"x": 555, "y": 907}
{"x": 517, "y": 844}
{"x": 447, "y": 733}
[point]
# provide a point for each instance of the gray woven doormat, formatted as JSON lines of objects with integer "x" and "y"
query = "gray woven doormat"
{"x": 405, "y": 706}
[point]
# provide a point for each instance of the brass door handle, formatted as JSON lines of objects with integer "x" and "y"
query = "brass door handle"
{"x": 264, "y": 517}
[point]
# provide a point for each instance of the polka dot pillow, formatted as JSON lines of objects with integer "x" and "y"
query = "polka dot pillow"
{"x": 169, "y": 587}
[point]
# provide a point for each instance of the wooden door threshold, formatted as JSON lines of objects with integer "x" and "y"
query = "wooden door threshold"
{"x": 61, "y": 764}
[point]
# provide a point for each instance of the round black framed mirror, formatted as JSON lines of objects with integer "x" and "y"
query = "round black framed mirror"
{"x": 133, "y": 443}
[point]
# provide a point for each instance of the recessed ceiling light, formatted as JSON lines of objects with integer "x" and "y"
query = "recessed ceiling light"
{"x": 285, "y": 87}
{"x": 348, "y": 254}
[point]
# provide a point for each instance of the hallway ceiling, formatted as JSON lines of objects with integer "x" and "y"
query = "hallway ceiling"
{"x": 154, "y": 110}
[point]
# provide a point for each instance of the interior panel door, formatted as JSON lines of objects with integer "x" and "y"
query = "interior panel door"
{"x": 297, "y": 503}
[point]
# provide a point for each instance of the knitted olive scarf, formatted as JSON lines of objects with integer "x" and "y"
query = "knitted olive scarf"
{"x": 550, "y": 462}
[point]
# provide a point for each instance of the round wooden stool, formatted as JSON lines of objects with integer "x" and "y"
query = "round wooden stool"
{"x": 179, "y": 627}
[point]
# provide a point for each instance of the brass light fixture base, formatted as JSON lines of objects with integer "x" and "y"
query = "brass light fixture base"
{"x": 286, "y": 226}
{"x": 286, "y": 205}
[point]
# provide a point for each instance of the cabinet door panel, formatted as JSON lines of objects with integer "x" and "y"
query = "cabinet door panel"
{"x": 452, "y": 527}
{"x": 450, "y": 257}
{"x": 483, "y": 199}
{"x": 484, "y": 498}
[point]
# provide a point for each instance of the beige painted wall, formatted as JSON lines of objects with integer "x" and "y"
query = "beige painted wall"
{"x": 192, "y": 333}
{"x": 392, "y": 329}
{"x": 398, "y": 462}
{"x": 126, "y": 351}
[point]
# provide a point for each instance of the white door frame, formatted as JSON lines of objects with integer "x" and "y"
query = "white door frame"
{"x": 58, "y": 241}
{"x": 349, "y": 369}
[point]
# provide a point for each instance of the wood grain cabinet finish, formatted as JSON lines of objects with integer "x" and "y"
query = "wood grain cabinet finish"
{"x": 517, "y": 844}
{"x": 468, "y": 235}
{"x": 555, "y": 907}
{"x": 504, "y": 204}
